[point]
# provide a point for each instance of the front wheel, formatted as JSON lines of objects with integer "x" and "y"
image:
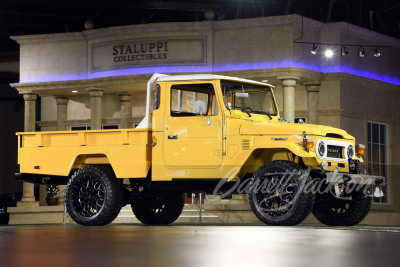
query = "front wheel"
{"x": 160, "y": 209}
{"x": 278, "y": 196}
{"x": 94, "y": 197}
{"x": 333, "y": 211}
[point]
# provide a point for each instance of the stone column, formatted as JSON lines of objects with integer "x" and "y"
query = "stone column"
{"x": 28, "y": 197}
{"x": 62, "y": 109}
{"x": 96, "y": 107}
{"x": 288, "y": 85}
{"x": 312, "y": 101}
{"x": 126, "y": 110}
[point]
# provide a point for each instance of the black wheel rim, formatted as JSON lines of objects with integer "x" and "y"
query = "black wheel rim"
{"x": 157, "y": 207}
{"x": 339, "y": 207}
{"x": 87, "y": 196}
{"x": 277, "y": 193}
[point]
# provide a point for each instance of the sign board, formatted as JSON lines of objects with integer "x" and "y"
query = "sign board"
{"x": 149, "y": 52}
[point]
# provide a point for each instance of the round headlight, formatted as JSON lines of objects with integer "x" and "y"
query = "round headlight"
{"x": 321, "y": 149}
{"x": 350, "y": 152}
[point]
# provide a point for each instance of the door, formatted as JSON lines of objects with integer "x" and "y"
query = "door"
{"x": 193, "y": 127}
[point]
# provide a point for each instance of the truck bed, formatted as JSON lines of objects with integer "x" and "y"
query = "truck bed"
{"x": 57, "y": 153}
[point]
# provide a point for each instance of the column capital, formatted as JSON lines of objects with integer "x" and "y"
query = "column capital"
{"x": 61, "y": 100}
{"x": 30, "y": 97}
{"x": 125, "y": 97}
{"x": 313, "y": 86}
{"x": 95, "y": 92}
{"x": 288, "y": 80}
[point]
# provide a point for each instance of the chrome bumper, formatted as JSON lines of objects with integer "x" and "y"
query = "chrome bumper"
{"x": 336, "y": 177}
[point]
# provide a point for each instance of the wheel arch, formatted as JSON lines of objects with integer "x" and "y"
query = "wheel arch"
{"x": 83, "y": 160}
{"x": 260, "y": 156}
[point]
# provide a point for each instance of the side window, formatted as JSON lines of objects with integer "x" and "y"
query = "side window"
{"x": 157, "y": 95}
{"x": 192, "y": 100}
{"x": 214, "y": 106}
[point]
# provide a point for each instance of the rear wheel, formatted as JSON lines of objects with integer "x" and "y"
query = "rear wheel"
{"x": 94, "y": 196}
{"x": 279, "y": 197}
{"x": 341, "y": 212}
{"x": 158, "y": 209}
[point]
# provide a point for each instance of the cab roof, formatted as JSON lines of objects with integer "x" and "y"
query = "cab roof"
{"x": 191, "y": 77}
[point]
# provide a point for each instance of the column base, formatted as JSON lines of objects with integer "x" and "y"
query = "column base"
{"x": 24, "y": 203}
{"x": 36, "y": 215}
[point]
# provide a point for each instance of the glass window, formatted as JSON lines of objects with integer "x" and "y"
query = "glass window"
{"x": 297, "y": 119}
{"x": 87, "y": 127}
{"x": 80, "y": 128}
{"x": 214, "y": 106}
{"x": 109, "y": 126}
{"x": 378, "y": 163}
{"x": 247, "y": 97}
{"x": 193, "y": 100}
{"x": 157, "y": 95}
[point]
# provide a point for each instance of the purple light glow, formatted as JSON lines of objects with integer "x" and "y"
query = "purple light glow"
{"x": 226, "y": 67}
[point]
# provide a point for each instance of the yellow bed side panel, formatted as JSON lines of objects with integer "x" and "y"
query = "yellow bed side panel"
{"x": 56, "y": 153}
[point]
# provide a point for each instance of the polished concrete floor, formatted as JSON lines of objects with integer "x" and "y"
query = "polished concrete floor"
{"x": 196, "y": 245}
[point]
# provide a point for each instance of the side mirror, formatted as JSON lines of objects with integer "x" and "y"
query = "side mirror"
{"x": 200, "y": 107}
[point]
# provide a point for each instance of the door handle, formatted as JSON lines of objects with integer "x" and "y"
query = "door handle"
{"x": 172, "y": 137}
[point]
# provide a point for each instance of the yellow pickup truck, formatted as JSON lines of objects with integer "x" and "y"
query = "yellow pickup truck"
{"x": 204, "y": 133}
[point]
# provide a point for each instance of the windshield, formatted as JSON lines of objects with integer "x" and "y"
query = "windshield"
{"x": 248, "y": 98}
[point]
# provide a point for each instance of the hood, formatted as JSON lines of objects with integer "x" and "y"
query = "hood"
{"x": 283, "y": 128}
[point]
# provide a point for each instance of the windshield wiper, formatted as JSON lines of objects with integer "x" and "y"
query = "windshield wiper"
{"x": 234, "y": 107}
{"x": 245, "y": 110}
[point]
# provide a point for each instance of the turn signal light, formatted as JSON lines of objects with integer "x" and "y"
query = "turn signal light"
{"x": 360, "y": 149}
{"x": 308, "y": 143}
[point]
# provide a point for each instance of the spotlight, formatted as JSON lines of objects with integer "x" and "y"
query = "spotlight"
{"x": 314, "y": 49}
{"x": 329, "y": 53}
{"x": 361, "y": 52}
{"x": 344, "y": 51}
{"x": 376, "y": 52}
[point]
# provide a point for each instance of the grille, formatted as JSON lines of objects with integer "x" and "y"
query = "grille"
{"x": 246, "y": 144}
{"x": 335, "y": 152}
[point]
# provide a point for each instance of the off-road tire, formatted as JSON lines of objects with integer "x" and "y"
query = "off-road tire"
{"x": 298, "y": 205}
{"x": 332, "y": 211}
{"x": 160, "y": 209}
{"x": 94, "y": 196}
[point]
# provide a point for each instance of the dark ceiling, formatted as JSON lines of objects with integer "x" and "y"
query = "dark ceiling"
{"x": 19, "y": 17}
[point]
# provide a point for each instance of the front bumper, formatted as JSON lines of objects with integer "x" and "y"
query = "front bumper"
{"x": 347, "y": 178}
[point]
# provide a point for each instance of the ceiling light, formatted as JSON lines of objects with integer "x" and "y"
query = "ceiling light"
{"x": 376, "y": 52}
{"x": 361, "y": 52}
{"x": 74, "y": 91}
{"x": 329, "y": 53}
{"x": 344, "y": 51}
{"x": 314, "y": 49}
